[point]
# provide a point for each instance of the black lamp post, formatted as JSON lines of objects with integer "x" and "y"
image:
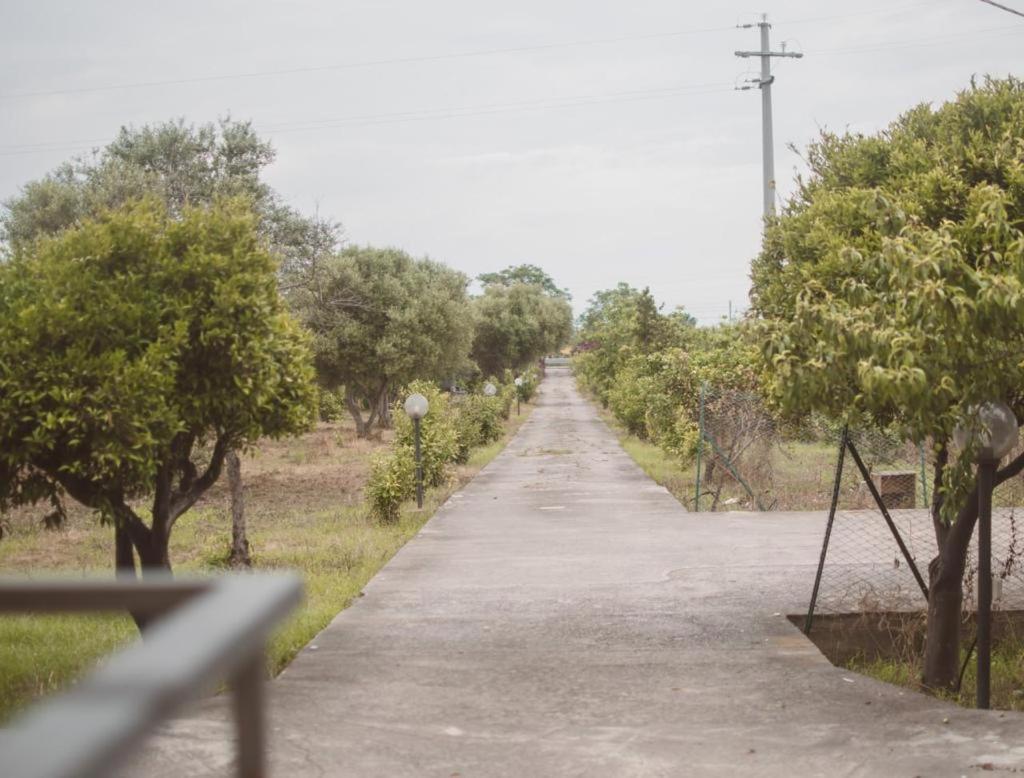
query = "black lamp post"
{"x": 992, "y": 432}
{"x": 519, "y": 392}
{"x": 416, "y": 407}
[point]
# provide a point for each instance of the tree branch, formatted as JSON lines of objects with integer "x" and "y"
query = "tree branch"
{"x": 186, "y": 497}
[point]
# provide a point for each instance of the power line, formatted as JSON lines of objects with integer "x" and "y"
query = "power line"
{"x": 1004, "y": 7}
{"x": 930, "y": 41}
{"x": 423, "y": 58}
{"x": 424, "y": 115}
{"x": 364, "y": 64}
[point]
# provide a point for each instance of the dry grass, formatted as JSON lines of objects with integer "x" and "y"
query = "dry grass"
{"x": 304, "y": 511}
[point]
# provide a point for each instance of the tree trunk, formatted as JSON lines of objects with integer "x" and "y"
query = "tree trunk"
{"x": 239, "y": 542}
{"x": 384, "y": 409}
{"x": 124, "y": 554}
{"x": 363, "y": 426}
{"x": 945, "y": 606}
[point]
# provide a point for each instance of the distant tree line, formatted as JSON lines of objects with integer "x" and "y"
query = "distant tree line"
{"x": 162, "y": 308}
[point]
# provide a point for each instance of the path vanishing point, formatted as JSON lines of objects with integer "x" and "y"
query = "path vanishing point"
{"x": 563, "y": 615}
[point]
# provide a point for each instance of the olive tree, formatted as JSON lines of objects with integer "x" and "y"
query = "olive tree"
{"x": 524, "y": 274}
{"x": 891, "y": 291}
{"x": 381, "y": 319}
{"x": 516, "y": 324}
{"x": 136, "y": 350}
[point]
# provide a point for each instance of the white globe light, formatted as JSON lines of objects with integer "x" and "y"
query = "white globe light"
{"x": 490, "y": 389}
{"x": 991, "y": 428}
{"x": 519, "y": 381}
{"x": 416, "y": 406}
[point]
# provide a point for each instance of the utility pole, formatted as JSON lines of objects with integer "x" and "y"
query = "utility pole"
{"x": 764, "y": 83}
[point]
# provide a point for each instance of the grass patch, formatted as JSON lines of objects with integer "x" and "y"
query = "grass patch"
{"x": 304, "y": 512}
{"x": 1007, "y": 678}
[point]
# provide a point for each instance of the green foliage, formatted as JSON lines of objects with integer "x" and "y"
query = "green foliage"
{"x": 127, "y": 344}
{"x": 392, "y": 481}
{"x": 448, "y": 434}
{"x": 530, "y": 382}
{"x": 890, "y": 288}
{"x": 618, "y": 324}
{"x": 181, "y": 165}
{"x": 517, "y": 324}
{"x": 331, "y": 404}
{"x": 438, "y": 433}
{"x": 647, "y": 367}
{"x": 525, "y": 274}
{"x": 478, "y": 421}
{"x": 382, "y": 319}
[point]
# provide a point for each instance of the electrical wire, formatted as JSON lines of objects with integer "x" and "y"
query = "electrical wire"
{"x": 425, "y": 115}
{"x": 424, "y": 58}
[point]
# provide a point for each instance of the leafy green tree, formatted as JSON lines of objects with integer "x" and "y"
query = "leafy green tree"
{"x": 889, "y": 292}
{"x": 524, "y": 274}
{"x": 136, "y": 351}
{"x": 517, "y": 324}
{"x": 181, "y": 165}
{"x": 381, "y": 319}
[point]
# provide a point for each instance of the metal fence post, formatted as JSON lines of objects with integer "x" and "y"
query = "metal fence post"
{"x": 700, "y": 442}
{"x": 924, "y": 480}
{"x": 836, "y": 486}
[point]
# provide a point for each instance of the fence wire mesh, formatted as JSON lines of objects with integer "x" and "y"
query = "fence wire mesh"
{"x": 866, "y": 571}
{"x": 749, "y": 460}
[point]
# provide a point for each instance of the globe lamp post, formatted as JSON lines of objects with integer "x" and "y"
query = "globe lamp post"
{"x": 416, "y": 407}
{"x": 519, "y": 392}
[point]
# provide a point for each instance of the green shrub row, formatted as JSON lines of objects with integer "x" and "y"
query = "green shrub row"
{"x": 452, "y": 428}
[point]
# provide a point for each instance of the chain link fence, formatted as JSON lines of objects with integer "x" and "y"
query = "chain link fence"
{"x": 881, "y": 537}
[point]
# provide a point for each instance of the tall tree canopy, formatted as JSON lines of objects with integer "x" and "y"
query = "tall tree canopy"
{"x": 381, "y": 319}
{"x": 890, "y": 291}
{"x": 182, "y": 165}
{"x": 524, "y": 274}
{"x": 136, "y": 350}
{"x": 516, "y": 324}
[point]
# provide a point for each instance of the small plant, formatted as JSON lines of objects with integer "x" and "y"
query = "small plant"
{"x": 332, "y": 405}
{"x": 392, "y": 481}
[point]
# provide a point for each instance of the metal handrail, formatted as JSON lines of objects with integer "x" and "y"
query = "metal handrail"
{"x": 212, "y": 630}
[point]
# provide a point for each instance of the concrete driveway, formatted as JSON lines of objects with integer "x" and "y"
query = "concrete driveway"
{"x": 564, "y": 616}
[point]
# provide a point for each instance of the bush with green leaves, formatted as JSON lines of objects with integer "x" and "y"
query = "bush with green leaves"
{"x": 438, "y": 433}
{"x": 136, "y": 350}
{"x": 392, "y": 481}
{"x": 332, "y": 404}
{"x": 889, "y": 292}
{"x": 478, "y": 422}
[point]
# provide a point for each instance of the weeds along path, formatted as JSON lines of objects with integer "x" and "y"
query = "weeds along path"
{"x": 563, "y": 615}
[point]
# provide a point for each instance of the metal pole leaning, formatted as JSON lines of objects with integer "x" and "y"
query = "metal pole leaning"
{"x": 888, "y": 519}
{"x": 836, "y": 485}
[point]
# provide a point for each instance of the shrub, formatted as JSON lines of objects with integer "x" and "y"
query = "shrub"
{"x": 438, "y": 433}
{"x": 332, "y": 404}
{"x": 478, "y": 422}
{"x": 392, "y": 481}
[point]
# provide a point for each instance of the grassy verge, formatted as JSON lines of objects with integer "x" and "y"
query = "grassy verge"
{"x": 304, "y": 511}
{"x": 1007, "y": 679}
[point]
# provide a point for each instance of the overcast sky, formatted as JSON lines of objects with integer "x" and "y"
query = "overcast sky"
{"x": 625, "y": 156}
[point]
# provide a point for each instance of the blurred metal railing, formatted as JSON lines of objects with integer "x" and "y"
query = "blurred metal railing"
{"x": 207, "y": 631}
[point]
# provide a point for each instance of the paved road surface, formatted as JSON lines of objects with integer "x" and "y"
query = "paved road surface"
{"x": 564, "y": 616}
